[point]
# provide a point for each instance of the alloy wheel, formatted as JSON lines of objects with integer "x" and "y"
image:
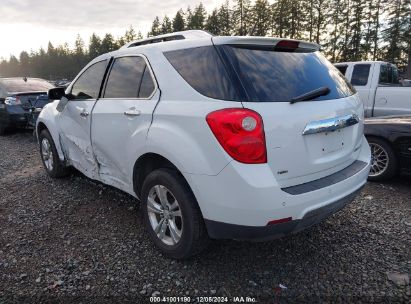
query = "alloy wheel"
{"x": 47, "y": 154}
{"x": 379, "y": 160}
{"x": 165, "y": 215}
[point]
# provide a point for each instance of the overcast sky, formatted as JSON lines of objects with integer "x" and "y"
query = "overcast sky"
{"x": 31, "y": 24}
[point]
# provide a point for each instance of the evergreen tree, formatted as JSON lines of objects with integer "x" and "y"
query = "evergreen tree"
{"x": 130, "y": 35}
{"x": 224, "y": 19}
{"x": 347, "y": 30}
{"x": 241, "y": 17}
{"x": 166, "y": 26}
{"x": 261, "y": 18}
{"x": 108, "y": 44}
{"x": 197, "y": 18}
{"x": 396, "y": 34}
{"x": 280, "y": 18}
{"x": 155, "y": 28}
{"x": 212, "y": 24}
{"x": 178, "y": 21}
{"x": 94, "y": 47}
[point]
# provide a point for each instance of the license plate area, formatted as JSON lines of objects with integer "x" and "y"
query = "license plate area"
{"x": 322, "y": 144}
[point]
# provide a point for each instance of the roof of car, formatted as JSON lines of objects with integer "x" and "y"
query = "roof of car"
{"x": 193, "y": 38}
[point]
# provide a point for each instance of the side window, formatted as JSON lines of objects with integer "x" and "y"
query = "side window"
{"x": 147, "y": 85}
{"x": 342, "y": 68}
{"x": 389, "y": 75}
{"x": 360, "y": 74}
{"x": 395, "y": 76}
{"x": 383, "y": 74}
{"x": 88, "y": 84}
{"x": 125, "y": 77}
{"x": 202, "y": 69}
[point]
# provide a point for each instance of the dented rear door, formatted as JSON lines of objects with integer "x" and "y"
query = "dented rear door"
{"x": 122, "y": 117}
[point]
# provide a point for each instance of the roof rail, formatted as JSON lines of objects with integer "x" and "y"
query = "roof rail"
{"x": 191, "y": 34}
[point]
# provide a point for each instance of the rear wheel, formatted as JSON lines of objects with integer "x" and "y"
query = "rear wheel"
{"x": 383, "y": 160}
{"x": 172, "y": 216}
{"x": 49, "y": 156}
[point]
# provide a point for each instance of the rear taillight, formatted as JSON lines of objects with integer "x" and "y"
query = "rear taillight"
{"x": 12, "y": 101}
{"x": 241, "y": 133}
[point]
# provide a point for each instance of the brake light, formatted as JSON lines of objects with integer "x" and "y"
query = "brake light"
{"x": 241, "y": 134}
{"x": 287, "y": 44}
{"x": 12, "y": 101}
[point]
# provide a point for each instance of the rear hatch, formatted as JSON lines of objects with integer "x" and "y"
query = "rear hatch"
{"x": 306, "y": 137}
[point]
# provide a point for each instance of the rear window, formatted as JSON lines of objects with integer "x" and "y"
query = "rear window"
{"x": 273, "y": 76}
{"x": 360, "y": 74}
{"x": 20, "y": 85}
{"x": 203, "y": 69}
{"x": 244, "y": 73}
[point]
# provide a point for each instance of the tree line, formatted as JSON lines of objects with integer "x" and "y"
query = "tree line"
{"x": 348, "y": 30}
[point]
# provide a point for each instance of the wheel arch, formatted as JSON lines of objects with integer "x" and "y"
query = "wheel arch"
{"x": 44, "y": 125}
{"x": 146, "y": 164}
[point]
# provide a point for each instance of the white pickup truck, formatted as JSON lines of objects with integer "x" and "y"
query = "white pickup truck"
{"x": 378, "y": 86}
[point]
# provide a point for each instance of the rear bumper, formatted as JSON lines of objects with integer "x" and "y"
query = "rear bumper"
{"x": 219, "y": 230}
{"x": 13, "y": 116}
{"x": 249, "y": 196}
{"x": 17, "y": 120}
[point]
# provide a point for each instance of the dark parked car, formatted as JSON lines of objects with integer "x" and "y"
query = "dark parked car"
{"x": 390, "y": 141}
{"x": 21, "y": 100}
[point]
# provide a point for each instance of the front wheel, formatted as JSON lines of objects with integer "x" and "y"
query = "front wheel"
{"x": 383, "y": 160}
{"x": 172, "y": 216}
{"x": 49, "y": 156}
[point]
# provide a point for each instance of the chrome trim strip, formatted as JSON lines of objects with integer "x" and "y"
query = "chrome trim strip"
{"x": 331, "y": 124}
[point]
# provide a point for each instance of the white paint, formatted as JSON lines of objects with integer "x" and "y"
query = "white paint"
{"x": 172, "y": 123}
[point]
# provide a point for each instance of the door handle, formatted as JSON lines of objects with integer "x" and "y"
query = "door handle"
{"x": 132, "y": 112}
{"x": 84, "y": 113}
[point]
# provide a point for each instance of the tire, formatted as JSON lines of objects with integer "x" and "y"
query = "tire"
{"x": 190, "y": 235}
{"x": 49, "y": 156}
{"x": 387, "y": 167}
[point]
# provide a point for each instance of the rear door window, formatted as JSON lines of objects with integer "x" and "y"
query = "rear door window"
{"x": 125, "y": 77}
{"x": 273, "y": 76}
{"x": 147, "y": 86}
{"x": 389, "y": 75}
{"x": 88, "y": 84}
{"x": 203, "y": 69}
{"x": 360, "y": 74}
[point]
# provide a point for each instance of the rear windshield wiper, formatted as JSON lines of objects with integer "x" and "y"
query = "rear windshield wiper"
{"x": 311, "y": 95}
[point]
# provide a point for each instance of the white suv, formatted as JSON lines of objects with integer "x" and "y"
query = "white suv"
{"x": 218, "y": 137}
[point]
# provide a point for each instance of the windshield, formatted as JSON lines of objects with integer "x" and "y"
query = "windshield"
{"x": 31, "y": 85}
{"x": 272, "y": 76}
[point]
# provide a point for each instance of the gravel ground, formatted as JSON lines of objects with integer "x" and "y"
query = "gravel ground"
{"x": 76, "y": 240}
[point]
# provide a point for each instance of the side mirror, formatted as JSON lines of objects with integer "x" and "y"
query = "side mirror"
{"x": 56, "y": 93}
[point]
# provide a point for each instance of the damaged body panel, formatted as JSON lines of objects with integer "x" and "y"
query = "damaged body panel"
{"x": 75, "y": 141}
